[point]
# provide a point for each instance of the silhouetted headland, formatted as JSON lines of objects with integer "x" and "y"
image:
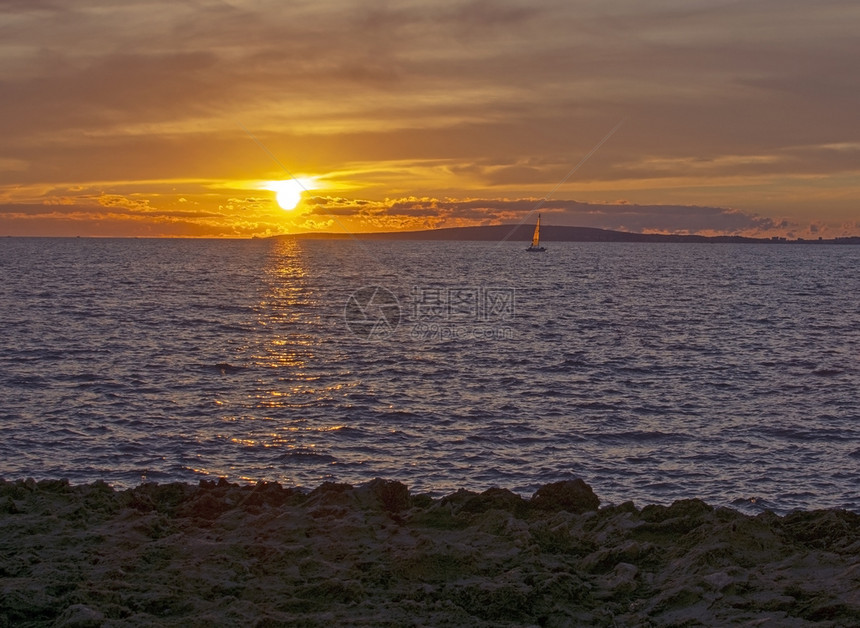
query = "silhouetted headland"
{"x": 551, "y": 233}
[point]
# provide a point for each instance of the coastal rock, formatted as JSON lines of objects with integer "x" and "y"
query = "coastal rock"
{"x": 80, "y": 616}
{"x": 572, "y": 495}
{"x": 608, "y": 558}
{"x": 331, "y": 494}
{"x": 8, "y": 506}
{"x": 681, "y": 517}
{"x": 491, "y": 499}
{"x": 262, "y": 554}
{"x": 393, "y": 496}
{"x": 719, "y": 581}
{"x": 494, "y": 601}
{"x": 622, "y": 580}
{"x": 827, "y": 529}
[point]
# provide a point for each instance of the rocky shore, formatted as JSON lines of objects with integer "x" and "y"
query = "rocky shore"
{"x": 222, "y": 554}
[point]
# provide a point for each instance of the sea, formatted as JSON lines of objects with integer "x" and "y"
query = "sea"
{"x": 655, "y": 372}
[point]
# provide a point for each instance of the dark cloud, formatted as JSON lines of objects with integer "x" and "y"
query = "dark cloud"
{"x": 485, "y": 60}
{"x": 624, "y": 217}
{"x": 94, "y": 210}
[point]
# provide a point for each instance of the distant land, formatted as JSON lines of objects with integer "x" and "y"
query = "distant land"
{"x": 549, "y": 233}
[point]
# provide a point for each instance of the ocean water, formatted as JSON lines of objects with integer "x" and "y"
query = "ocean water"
{"x": 655, "y": 372}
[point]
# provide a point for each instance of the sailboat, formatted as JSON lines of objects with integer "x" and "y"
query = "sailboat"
{"x": 535, "y": 246}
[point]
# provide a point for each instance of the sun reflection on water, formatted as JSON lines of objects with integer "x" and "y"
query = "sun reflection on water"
{"x": 269, "y": 405}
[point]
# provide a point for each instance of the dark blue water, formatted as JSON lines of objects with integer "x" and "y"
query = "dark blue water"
{"x": 654, "y": 372}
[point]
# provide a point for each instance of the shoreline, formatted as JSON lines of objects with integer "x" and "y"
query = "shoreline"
{"x": 375, "y": 554}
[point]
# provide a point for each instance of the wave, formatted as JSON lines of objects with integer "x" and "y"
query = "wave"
{"x": 225, "y": 368}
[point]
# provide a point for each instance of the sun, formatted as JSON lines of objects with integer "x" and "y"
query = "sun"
{"x": 288, "y": 193}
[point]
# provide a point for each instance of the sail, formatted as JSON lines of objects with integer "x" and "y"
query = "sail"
{"x": 536, "y": 236}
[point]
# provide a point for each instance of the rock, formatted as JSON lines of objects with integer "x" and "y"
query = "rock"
{"x": 459, "y": 499}
{"x": 226, "y": 554}
{"x": 262, "y": 494}
{"x": 718, "y": 581}
{"x": 622, "y": 579}
{"x": 572, "y": 495}
{"x": 331, "y": 494}
{"x": 560, "y": 590}
{"x": 496, "y": 499}
{"x": 8, "y": 506}
{"x": 606, "y": 558}
{"x": 493, "y": 601}
{"x": 80, "y": 616}
{"x": 57, "y": 486}
{"x": 164, "y": 498}
{"x": 687, "y": 509}
{"x": 204, "y": 505}
{"x": 394, "y": 496}
{"x": 822, "y": 529}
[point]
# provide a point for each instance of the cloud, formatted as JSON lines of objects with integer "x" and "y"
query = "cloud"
{"x": 735, "y": 104}
{"x": 619, "y": 216}
{"x": 96, "y": 211}
{"x": 408, "y": 65}
{"x": 89, "y": 214}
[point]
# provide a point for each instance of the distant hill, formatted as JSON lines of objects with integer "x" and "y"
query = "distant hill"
{"x": 550, "y": 233}
{"x": 523, "y": 233}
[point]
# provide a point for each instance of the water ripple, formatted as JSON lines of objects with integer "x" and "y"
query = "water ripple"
{"x": 655, "y": 372}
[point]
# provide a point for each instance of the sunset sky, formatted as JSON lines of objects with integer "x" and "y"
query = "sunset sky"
{"x": 165, "y": 118}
